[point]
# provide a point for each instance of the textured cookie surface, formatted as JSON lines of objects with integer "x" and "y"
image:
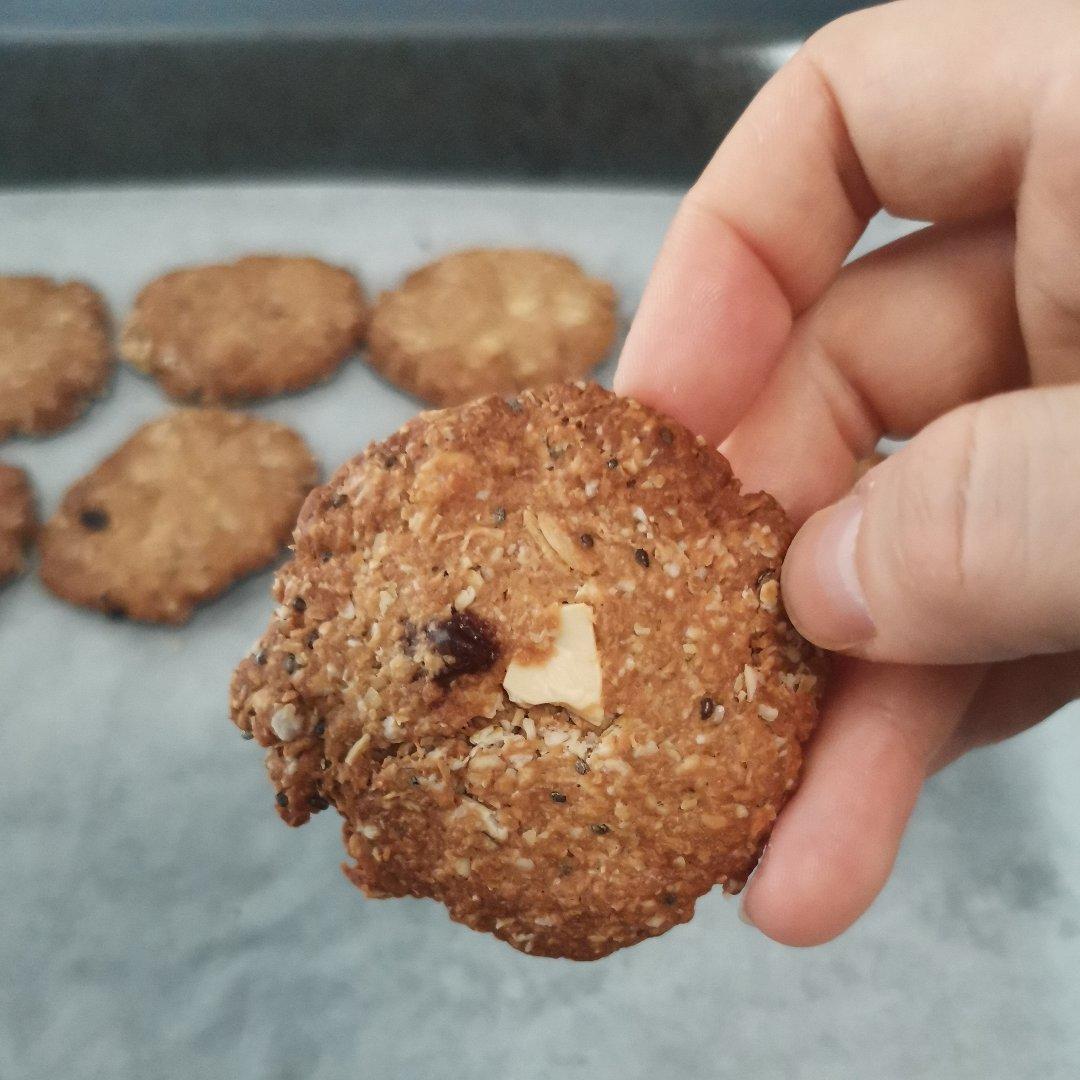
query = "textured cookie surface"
{"x": 17, "y": 521}
{"x": 490, "y": 321}
{"x": 54, "y": 353}
{"x": 187, "y": 505}
{"x": 447, "y": 561}
{"x": 260, "y": 326}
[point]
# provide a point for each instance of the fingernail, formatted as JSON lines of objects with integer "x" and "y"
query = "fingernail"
{"x": 829, "y": 603}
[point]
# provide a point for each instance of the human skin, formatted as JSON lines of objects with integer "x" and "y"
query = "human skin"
{"x": 950, "y": 576}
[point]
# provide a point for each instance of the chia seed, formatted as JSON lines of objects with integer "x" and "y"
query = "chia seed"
{"x": 641, "y": 556}
{"x": 707, "y": 707}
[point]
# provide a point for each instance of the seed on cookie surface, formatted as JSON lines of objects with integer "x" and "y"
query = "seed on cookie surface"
{"x": 489, "y": 321}
{"x": 262, "y": 325}
{"x": 195, "y": 500}
{"x": 537, "y": 738}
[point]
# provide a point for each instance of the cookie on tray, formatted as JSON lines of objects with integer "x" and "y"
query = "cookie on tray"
{"x": 491, "y": 321}
{"x": 18, "y": 522}
{"x": 54, "y": 353}
{"x": 533, "y": 652}
{"x": 189, "y": 504}
{"x": 263, "y": 325}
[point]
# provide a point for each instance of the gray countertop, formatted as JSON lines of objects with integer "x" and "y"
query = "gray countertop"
{"x": 158, "y": 921}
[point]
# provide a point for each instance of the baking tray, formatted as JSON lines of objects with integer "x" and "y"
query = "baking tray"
{"x": 157, "y": 920}
{"x": 569, "y": 102}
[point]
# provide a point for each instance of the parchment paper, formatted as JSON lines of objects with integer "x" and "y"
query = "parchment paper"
{"x": 157, "y": 920}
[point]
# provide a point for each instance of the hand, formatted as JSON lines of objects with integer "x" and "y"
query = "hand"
{"x": 950, "y": 576}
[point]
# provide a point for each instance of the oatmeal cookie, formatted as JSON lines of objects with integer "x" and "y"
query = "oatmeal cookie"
{"x": 489, "y": 321}
{"x": 189, "y": 504}
{"x": 54, "y": 353}
{"x": 18, "y": 522}
{"x": 534, "y": 654}
{"x": 250, "y": 329}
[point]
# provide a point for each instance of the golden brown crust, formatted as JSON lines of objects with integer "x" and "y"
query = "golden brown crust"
{"x": 435, "y": 558}
{"x": 18, "y": 522}
{"x": 263, "y": 325}
{"x": 491, "y": 321}
{"x": 54, "y": 353}
{"x": 189, "y": 504}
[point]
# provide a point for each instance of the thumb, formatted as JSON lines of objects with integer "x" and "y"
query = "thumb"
{"x": 964, "y": 546}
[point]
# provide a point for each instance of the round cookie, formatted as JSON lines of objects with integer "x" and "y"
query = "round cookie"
{"x": 54, "y": 353}
{"x": 189, "y": 504}
{"x": 18, "y": 522}
{"x": 250, "y": 329}
{"x": 534, "y": 654}
{"x": 491, "y": 321}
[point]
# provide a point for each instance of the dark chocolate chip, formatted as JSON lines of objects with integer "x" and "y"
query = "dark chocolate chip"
{"x": 466, "y": 643}
{"x": 93, "y": 518}
{"x": 641, "y": 556}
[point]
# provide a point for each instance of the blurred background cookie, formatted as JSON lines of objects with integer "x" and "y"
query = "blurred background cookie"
{"x": 54, "y": 353}
{"x": 189, "y": 504}
{"x": 534, "y": 653}
{"x": 17, "y": 519}
{"x": 260, "y": 326}
{"x": 488, "y": 321}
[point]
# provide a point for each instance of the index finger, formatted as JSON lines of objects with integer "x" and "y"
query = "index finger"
{"x": 914, "y": 107}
